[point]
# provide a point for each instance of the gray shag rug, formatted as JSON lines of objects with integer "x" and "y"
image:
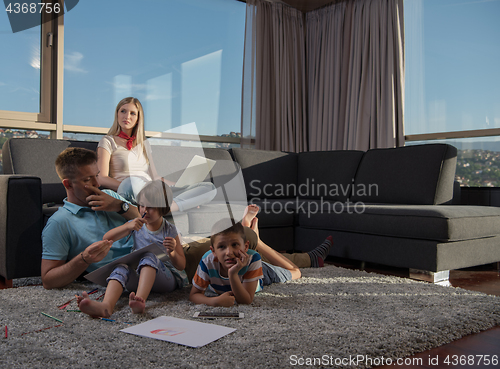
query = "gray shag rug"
{"x": 326, "y": 318}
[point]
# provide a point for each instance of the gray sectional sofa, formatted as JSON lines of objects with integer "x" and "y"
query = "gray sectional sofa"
{"x": 387, "y": 206}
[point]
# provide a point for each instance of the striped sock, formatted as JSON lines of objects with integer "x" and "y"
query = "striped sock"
{"x": 319, "y": 254}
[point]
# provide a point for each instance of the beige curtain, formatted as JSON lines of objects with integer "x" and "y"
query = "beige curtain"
{"x": 274, "y": 86}
{"x": 356, "y": 75}
{"x": 341, "y": 87}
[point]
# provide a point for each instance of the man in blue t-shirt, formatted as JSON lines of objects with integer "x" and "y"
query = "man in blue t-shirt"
{"x": 72, "y": 239}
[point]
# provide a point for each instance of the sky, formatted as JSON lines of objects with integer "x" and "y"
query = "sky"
{"x": 452, "y": 58}
{"x": 183, "y": 60}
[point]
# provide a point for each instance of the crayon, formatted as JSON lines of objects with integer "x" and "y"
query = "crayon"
{"x": 39, "y": 330}
{"x": 50, "y": 316}
{"x": 65, "y": 305}
{"x": 111, "y": 320}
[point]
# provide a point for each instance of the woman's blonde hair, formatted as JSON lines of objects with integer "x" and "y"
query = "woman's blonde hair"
{"x": 138, "y": 131}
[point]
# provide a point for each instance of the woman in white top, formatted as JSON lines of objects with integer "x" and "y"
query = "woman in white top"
{"x": 125, "y": 161}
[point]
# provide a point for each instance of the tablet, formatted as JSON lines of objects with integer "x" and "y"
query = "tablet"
{"x": 217, "y": 314}
{"x": 99, "y": 276}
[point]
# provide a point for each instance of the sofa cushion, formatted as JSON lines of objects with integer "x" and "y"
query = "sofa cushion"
{"x": 21, "y": 224}
{"x": 202, "y": 219}
{"x": 170, "y": 161}
{"x": 420, "y": 174}
{"x": 444, "y": 223}
{"x": 18, "y": 157}
{"x": 276, "y": 212}
{"x": 327, "y": 174}
{"x": 267, "y": 174}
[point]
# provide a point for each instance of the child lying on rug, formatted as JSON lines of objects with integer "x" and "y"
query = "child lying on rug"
{"x": 154, "y": 275}
{"x": 235, "y": 272}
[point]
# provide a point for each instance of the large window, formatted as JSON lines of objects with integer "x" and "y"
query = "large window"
{"x": 181, "y": 58}
{"x": 452, "y": 73}
{"x": 20, "y": 72}
{"x": 452, "y": 82}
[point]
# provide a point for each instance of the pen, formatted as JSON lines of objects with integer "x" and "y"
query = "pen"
{"x": 6, "y": 334}
{"x": 130, "y": 235}
{"x": 50, "y": 316}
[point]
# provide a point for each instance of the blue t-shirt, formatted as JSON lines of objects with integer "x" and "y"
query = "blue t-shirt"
{"x": 73, "y": 228}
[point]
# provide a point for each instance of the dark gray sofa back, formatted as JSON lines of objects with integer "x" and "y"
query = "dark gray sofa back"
{"x": 327, "y": 174}
{"x": 267, "y": 174}
{"x": 414, "y": 175}
{"x": 36, "y": 157}
{"x": 421, "y": 174}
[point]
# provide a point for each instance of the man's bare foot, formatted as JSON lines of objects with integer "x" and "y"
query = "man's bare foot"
{"x": 249, "y": 214}
{"x": 136, "y": 303}
{"x": 93, "y": 308}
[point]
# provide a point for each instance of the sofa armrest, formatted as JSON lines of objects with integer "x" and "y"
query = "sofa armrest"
{"x": 21, "y": 224}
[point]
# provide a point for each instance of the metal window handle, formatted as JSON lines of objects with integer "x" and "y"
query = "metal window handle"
{"x": 50, "y": 39}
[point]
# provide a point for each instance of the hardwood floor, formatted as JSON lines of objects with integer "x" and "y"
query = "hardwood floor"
{"x": 467, "y": 351}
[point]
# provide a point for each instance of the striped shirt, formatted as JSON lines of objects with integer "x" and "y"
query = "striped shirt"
{"x": 208, "y": 273}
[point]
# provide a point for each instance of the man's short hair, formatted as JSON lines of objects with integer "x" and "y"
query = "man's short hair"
{"x": 226, "y": 226}
{"x": 156, "y": 194}
{"x": 72, "y": 159}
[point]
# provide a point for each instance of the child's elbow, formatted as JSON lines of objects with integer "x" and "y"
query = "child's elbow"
{"x": 245, "y": 301}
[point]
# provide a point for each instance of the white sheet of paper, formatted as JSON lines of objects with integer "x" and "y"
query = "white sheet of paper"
{"x": 99, "y": 276}
{"x": 196, "y": 171}
{"x": 180, "y": 331}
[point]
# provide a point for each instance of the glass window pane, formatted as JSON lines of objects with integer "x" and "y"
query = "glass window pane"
{"x": 452, "y": 75}
{"x": 182, "y": 59}
{"x": 20, "y": 68}
{"x": 478, "y": 160}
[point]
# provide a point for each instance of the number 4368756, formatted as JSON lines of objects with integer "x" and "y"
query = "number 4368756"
{"x": 24, "y": 8}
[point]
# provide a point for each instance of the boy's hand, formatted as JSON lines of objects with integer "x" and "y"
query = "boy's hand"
{"x": 169, "y": 243}
{"x": 226, "y": 299}
{"x": 135, "y": 224}
{"x": 242, "y": 259}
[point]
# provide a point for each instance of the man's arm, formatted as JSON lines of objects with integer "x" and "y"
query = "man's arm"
{"x": 59, "y": 273}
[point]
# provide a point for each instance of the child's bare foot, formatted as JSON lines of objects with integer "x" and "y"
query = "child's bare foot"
{"x": 95, "y": 309}
{"x": 255, "y": 226}
{"x": 136, "y": 303}
{"x": 249, "y": 214}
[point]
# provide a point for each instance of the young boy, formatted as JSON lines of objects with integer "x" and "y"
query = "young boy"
{"x": 154, "y": 275}
{"x": 230, "y": 269}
